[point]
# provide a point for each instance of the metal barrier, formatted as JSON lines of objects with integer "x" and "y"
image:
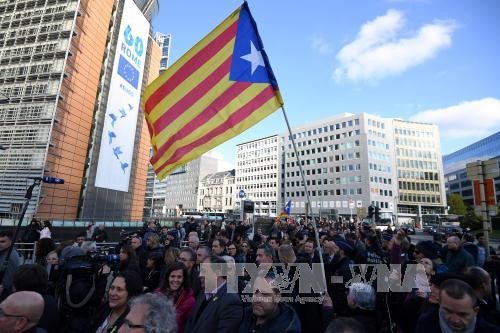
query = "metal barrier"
{"x": 26, "y": 251}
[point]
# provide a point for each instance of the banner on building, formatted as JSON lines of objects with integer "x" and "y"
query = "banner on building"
{"x": 118, "y": 135}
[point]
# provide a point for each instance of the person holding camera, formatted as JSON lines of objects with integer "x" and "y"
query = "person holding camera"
{"x": 111, "y": 316}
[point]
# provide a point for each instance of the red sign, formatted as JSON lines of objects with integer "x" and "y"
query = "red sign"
{"x": 489, "y": 192}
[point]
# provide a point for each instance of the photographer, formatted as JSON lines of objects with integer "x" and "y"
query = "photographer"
{"x": 82, "y": 284}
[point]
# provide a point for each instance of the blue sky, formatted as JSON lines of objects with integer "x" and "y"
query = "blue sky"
{"x": 422, "y": 60}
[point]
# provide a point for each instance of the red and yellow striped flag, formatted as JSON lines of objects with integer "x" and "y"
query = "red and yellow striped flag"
{"x": 222, "y": 86}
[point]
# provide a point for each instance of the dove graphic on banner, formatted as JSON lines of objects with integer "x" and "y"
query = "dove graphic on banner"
{"x": 111, "y": 135}
{"x": 117, "y": 151}
{"x": 113, "y": 119}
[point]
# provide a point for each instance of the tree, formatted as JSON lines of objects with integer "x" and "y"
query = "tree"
{"x": 457, "y": 205}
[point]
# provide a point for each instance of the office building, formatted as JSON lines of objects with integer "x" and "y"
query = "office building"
{"x": 258, "y": 173}
{"x": 348, "y": 162}
{"x": 72, "y": 72}
{"x": 164, "y": 41}
{"x": 419, "y": 170}
{"x": 455, "y": 166}
{"x": 216, "y": 192}
{"x": 179, "y": 191}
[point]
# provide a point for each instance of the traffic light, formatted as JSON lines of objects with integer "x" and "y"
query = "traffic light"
{"x": 377, "y": 214}
{"x": 370, "y": 212}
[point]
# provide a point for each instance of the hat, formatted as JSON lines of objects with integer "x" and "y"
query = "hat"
{"x": 345, "y": 246}
{"x": 428, "y": 249}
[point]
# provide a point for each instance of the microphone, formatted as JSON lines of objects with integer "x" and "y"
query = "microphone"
{"x": 50, "y": 180}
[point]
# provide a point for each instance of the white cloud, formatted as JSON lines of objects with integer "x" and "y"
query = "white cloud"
{"x": 379, "y": 49}
{"x": 467, "y": 120}
{"x": 320, "y": 45}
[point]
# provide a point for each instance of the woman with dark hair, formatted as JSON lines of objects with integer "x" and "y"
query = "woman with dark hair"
{"x": 128, "y": 259}
{"x": 152, "y": 278}
{"x": 43, "y": 247}
{"x": 234, "y": 251}
{"x": 110, "y": 317}
{"x": 175, "y": 286}
{"x": 247, "y": 249}
{"x": 47, "y": 230}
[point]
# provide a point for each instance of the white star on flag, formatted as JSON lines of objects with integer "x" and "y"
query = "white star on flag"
{"x": 254, "y": 57}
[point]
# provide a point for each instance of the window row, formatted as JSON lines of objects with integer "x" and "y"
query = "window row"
{"x": 415, "y": 143}
{"x": 378, "y": 144}
{"x": 419, "y": 198}
{"x": 376, "y": 123}
{"x": 414, "y": 133}
{"x": 380, "y": 191}
{"x": 416, "y": 153}
{"x": 416, "y": 164}
{"x": 422, "y": 175}
{"x": 324, "y": 129}
{"x": 416, "y": 186}
{"x": 379, "y": 167}
{"x": 320, "y": 193}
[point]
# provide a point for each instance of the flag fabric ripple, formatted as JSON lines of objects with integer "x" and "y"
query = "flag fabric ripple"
{"x": 222, "y": 86}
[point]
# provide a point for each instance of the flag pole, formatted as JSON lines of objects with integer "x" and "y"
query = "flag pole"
{"x": 316, "y": 234}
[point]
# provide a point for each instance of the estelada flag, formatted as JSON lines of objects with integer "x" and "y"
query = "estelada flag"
{"x": 222, "y": 86}
{"x": 286, "y": 209}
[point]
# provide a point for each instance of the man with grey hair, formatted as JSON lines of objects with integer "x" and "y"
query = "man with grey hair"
{"x": 150, "y": 313}
{"x": 457, "y": 259}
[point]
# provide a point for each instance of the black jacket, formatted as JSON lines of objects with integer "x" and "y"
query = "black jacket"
{"x": 221, "y": 314}
{"x": 429, "y": 323}
{"x": 284, "y": 321}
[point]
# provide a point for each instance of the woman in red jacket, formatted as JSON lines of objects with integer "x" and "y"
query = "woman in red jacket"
{"x": 175, "y": 286}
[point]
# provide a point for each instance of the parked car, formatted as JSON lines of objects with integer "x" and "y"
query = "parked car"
{"x": 408, "y": 229}
{"x": 449, "y": 229}
{"x": 430, "y": 228}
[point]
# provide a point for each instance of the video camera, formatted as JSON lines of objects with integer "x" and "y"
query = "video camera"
{"x": 126, "y": 235}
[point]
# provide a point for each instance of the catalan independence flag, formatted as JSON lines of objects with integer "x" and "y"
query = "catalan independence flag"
{"x": 286, "y": 210}
{"x": 222, "y": 86}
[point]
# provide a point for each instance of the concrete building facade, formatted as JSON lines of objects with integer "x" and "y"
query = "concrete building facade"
{"x": 348, "y": 163}
{"x": 419, "y": 170}
{"x": 216, "y": 192}
{"x": 258, "y": 174}
{"x": 56, "y": 58}
{"x": 179, "y": 191}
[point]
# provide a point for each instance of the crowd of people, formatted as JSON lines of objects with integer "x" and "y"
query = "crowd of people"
{"x": 157, "y": 280}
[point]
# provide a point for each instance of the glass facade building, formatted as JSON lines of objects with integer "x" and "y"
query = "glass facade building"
{"x": 455, "y": 166}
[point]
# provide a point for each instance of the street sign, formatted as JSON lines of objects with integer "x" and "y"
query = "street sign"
{"x": 241, "y": 194}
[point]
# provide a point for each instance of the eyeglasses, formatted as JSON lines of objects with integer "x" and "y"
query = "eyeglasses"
{"x": 232, "y": 248}
{"x": 3, "y": 315}
{"x": 184, "y": 259}
{"x": 129, "y": 325}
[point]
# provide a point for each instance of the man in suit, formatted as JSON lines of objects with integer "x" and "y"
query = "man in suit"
{"x": 216, "y": 310}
